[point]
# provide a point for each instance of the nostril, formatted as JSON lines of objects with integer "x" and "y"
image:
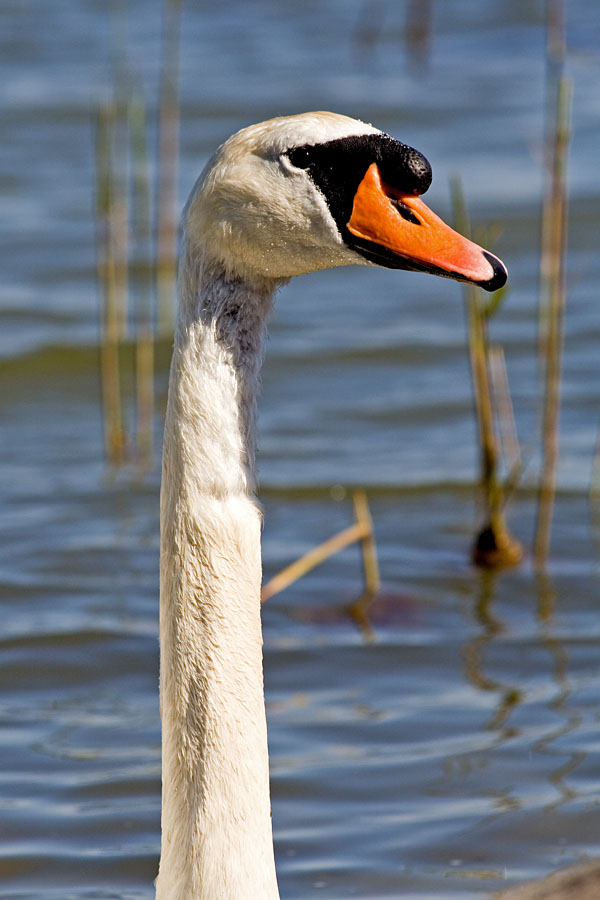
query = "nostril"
{"x": 404, "y": 211}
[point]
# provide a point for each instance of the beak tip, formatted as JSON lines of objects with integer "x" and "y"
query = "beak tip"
{"x": 500, "y": 275}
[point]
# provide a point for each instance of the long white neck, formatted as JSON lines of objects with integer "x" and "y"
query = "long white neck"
{"x": 216, "y": 815}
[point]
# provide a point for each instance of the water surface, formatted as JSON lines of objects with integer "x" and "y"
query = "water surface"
{"x": 451, "y": 747}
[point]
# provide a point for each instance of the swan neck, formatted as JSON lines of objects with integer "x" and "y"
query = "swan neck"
{"x": 215, "y": 375}
{"x": 216, "y": 814}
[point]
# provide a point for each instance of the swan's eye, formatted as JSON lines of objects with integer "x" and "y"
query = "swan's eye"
{"x": 299, "y": 157}
{"x": 404, "y": 211}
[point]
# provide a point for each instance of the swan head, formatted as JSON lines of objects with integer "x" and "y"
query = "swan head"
{"x": 300, "y": 193}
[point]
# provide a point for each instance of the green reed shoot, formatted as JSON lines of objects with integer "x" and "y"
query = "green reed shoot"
{"x": 108, "y": 279}
{"x": 494, "y": 545}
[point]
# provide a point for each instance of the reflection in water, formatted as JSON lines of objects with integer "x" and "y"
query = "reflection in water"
{"x": 546, "y": 596}
{"x": 473, "y": 655}
{"x": 359, "y": 612}
{"x": 510, "y": 696}
{"x": 560, "y": 703}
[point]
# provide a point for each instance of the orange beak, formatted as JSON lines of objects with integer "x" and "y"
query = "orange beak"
{"x": 403, "y": 224}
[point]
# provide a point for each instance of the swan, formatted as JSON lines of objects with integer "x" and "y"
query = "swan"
{"x": 278, "y": 199}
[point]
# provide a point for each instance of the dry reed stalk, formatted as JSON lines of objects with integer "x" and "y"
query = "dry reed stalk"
{"x": 114, "y": 435}
{"x": 168, "y": 148}
{"x": 494, "y": 546}
{"x": 120, "y": 166}
{"x": 555, "y": 59}
{"x": 144, "y": 331}
{"x": 362, "y": 530}
{"x": 554, "y": 289}
{"x": 369, "y": 25}
{"x": 362, "y": 515}
{"x": 120, "y": 228}
{"x": 360, "y": 609}
{"x": 419, "y": 30}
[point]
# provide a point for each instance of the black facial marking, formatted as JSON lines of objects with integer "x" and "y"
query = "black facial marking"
{"x": 337, "y": 168}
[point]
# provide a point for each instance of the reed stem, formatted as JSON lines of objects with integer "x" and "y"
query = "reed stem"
{"x": 494, "y": 546}
{"x": 555, "y": 60}
{"x": 368, "y": 546}
{"x": 120, "y": 166}
{"x": 168, "y": 149}
{"x": 114, "y": 435}
{"x": 144, "y": 330}
{"x": 553, "y": 292}
{"x": 505, "y": 417}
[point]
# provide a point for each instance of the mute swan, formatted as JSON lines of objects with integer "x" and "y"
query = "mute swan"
{"x": 278, "y": 199}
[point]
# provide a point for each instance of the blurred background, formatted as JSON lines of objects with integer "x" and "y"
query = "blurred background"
{"x": 441, "y": 739}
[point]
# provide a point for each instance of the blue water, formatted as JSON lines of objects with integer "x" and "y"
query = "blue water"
{"x": 451, "y": 746}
